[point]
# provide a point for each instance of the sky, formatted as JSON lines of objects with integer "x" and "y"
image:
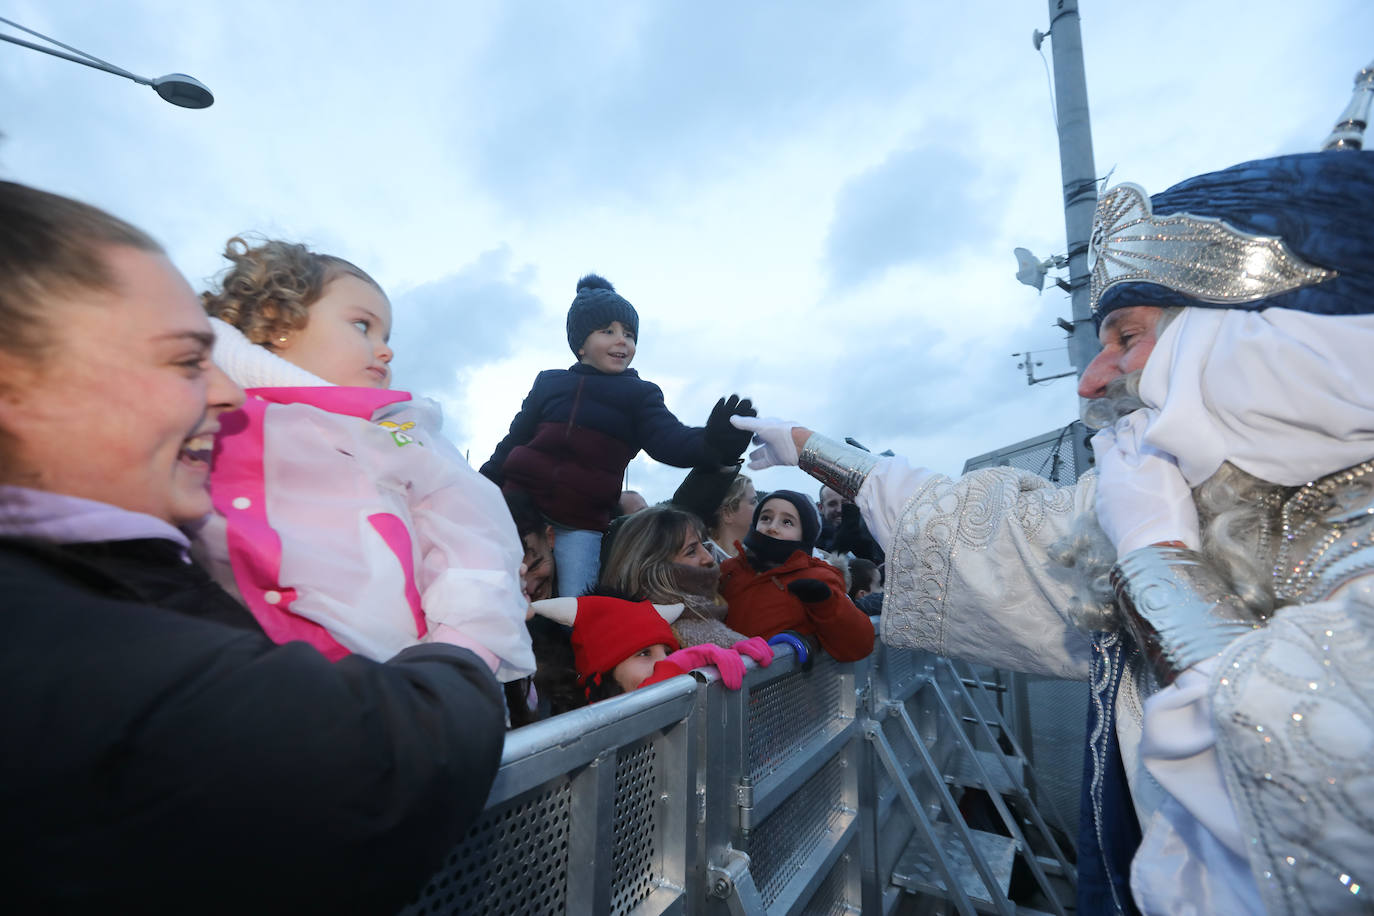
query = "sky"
{"x": 810, "y": 203}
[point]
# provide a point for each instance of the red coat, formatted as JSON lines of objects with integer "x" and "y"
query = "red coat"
{"x": 761, "y": 605}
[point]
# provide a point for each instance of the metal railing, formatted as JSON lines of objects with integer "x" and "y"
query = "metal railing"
{"x": 818, "y": 788}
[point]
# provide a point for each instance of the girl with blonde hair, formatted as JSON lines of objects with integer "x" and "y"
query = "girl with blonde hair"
{"x": 342, "y": 517}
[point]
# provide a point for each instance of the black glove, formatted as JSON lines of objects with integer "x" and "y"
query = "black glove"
{"x": 810, "y": 591}
{"x": 727, "y": 442}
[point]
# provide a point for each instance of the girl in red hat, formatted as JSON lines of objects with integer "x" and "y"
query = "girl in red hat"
{"x": 619, "y": 645}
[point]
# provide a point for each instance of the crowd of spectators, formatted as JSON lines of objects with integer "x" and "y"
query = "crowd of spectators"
{"x": 281, "y": 632}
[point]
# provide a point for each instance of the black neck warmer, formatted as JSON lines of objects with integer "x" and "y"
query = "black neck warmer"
{"x": 766, "y": 552}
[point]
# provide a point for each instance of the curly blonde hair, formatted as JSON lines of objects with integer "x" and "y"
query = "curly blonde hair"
{"x": 268, "y": 289}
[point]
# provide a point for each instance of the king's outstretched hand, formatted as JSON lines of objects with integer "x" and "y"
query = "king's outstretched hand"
{"x": 774, "y": 438}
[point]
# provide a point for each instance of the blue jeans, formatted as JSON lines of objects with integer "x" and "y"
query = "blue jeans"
{"x": 578, "y": 557}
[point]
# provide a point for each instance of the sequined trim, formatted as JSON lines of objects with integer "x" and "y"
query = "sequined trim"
{"x": 1325, "y": 532}
{"x": 1105, "y": 680}
{"x": 1200, "y": 256}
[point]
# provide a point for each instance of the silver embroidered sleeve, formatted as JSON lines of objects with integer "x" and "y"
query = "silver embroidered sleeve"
{"x": 840, "y": 467}
{"x": 1177, "y": 608}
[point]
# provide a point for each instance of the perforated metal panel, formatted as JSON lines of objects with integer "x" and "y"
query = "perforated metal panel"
{"x": 786, "y": 713}
{"x": 513, "y": 860}
{"x": 830, "y": 899}
{"x": 1061, "y": 455}
{"x": 633, "y": 855}
{"x": 792, "y": 832}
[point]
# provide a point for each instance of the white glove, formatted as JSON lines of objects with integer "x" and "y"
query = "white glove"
{"x": 775, "y": 437}
{"x": 1142, "y": 498}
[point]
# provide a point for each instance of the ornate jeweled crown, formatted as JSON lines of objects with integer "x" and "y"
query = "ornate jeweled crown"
{"x": 1199, "y": 256}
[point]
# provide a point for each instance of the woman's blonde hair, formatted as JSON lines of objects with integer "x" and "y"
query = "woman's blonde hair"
{"x": 641, "y": 561}
{"x": 733, "y": 497}
{"x": 268, "y": 289}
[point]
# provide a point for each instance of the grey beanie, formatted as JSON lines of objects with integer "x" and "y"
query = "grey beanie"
{"x": 594, "y": 307}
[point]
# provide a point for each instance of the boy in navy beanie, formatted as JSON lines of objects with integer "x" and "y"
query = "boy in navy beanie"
{"x": 579, "y": 428}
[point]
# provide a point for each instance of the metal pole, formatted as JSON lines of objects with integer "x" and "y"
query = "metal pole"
{"x": 1077, "y": 170}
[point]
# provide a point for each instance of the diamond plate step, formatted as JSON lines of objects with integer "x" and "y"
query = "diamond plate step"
{"x": 917, "y": 873}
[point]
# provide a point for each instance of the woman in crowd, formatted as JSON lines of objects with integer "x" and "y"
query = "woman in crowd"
{"x": 658, "y": 555}
{"x": 731, "y": 520}
{"x": 160, "y": 751}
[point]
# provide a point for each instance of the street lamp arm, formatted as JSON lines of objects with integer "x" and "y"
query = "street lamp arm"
{"x": 177, "y": 88}
{"x": 89, "y": 62}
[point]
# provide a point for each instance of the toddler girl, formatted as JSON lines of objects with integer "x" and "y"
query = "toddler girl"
{"x": 342, "y": 517}
{"x": 775, "y": 585}
{"x": 620, "y": 646}
{"x": 578, "y": 429}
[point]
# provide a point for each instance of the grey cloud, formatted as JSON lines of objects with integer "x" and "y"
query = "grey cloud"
{"x": 919, "y": 204}
{"x": 679, "y": 93}
{"x": 460, "y": 321}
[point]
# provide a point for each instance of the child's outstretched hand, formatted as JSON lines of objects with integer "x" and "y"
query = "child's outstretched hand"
{"x": 726, "y": 661}
{"x": 728, "y": 441}
{"x": 809, "y": 591}
{"x": 757, "y": 648}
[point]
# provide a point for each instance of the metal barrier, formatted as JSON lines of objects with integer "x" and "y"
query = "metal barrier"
{"x": 821, "y": 788}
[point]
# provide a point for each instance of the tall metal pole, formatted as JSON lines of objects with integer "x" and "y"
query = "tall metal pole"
{"x": 1076, "y": 167}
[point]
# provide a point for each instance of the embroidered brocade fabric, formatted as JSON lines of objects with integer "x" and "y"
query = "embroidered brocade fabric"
{"x": 1294, "y": 709}
{"x": 974, "y": 551}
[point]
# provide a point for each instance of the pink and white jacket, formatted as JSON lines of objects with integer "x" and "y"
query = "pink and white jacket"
{"x": 343, "y": 519}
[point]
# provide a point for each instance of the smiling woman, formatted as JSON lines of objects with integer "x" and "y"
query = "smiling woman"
{"x": 156, "y": 741}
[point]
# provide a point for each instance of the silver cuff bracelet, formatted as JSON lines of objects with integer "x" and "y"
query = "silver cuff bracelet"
{"x": 1177, "y": 608}
{"x": 840, "y": 467}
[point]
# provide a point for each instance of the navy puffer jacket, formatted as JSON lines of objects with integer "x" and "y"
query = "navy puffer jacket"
{"x": 576, "y": 432}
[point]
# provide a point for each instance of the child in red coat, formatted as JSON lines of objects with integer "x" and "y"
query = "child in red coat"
{"x": 775, "y": 585}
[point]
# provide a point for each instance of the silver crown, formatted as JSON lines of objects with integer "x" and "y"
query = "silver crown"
{"x": 1199, "y": 256}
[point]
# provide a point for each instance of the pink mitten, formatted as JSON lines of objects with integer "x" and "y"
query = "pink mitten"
{"x": 757, "y": 648}
{"x": 726, "y": 661}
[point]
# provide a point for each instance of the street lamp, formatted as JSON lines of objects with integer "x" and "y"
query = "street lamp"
{"x": 177, "y": 88}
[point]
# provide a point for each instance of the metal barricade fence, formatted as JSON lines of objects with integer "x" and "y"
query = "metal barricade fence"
{"x": 688, "y": 798}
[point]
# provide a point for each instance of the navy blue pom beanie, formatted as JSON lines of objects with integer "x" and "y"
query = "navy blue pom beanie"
{"x": 594, "y": 307}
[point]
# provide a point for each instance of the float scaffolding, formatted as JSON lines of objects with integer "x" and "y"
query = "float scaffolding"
{"x": 819, "y": 788}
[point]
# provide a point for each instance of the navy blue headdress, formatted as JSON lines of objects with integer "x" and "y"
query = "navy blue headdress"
{"x": 1294, "y": 232}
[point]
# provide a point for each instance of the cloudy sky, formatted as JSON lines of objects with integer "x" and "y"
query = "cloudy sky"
{"x": 812, "y": 203}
